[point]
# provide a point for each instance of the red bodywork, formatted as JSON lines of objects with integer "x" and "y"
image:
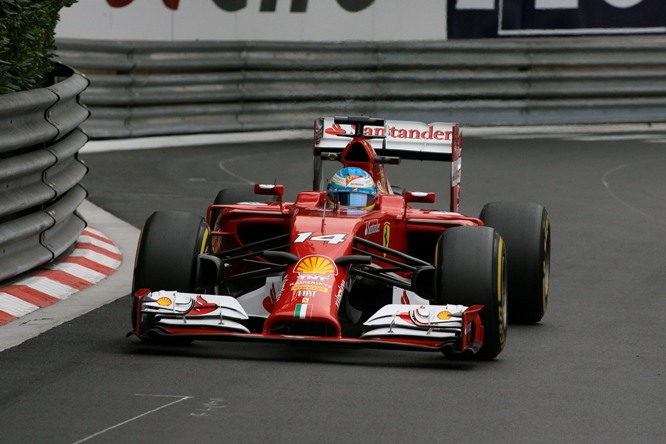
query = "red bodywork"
{"x": 320, "y": 244}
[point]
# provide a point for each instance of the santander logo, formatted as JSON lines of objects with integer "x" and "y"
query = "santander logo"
{"x": 335, "y": 129}
{"x": 395, "y": 132}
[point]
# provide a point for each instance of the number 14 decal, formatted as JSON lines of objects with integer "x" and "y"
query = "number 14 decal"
{"x": 328, "y": 238}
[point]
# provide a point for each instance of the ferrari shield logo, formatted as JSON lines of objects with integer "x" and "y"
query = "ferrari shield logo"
{"x": 386, "y": 236}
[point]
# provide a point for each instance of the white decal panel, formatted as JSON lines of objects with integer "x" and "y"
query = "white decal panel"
{"x": 176, "y": 309}
{"x": 418, "y": 321}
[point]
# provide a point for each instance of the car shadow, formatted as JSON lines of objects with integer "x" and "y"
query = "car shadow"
{"x": 304, "y": 354}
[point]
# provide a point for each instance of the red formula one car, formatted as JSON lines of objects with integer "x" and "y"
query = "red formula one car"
{"x": 355, "y": 264}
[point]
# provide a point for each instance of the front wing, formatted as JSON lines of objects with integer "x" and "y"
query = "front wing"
{"x": 446, "y": 328}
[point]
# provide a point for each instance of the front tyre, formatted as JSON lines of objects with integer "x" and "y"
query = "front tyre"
{"x": 166, "y": 257}
{"x": 471, "y": 270}
{"x": 525, "y": 227}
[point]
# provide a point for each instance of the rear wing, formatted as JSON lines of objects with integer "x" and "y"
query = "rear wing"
{"x": 407, "y": 140}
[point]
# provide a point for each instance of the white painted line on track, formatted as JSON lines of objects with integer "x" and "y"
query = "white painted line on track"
{"x": 101, "y": 432}
{"x": 609, "y": 137}
{"x": 554, "y": 130}
{"x": 142, "y": 143}
{"x": 225, "y": 170}
{"x": 607, "y": 185}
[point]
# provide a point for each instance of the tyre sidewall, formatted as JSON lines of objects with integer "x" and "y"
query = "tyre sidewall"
{"x": 166, "y": 256}
{"x": 471, "y": 270}
{"x": 169, "y": 245}
{"x": 525, "y": 228}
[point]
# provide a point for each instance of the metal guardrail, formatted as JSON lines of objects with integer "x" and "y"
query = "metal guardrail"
{"x": 150, "y": 88}
{"x": 40, "y": 172}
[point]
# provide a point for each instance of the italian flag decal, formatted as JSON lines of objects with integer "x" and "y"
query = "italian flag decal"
{"x": 301, "y": 311}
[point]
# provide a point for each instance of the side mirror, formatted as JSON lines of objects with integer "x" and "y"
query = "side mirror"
{"x": 343, "y": 261}
{"x": 419, "y": 196}
{"x": 269, "y": 190}
{"x": 280, "y": 257}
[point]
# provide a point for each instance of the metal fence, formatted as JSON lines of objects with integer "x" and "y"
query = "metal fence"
{"x": 40, "y": 173}
{"x": 149, "y": 88}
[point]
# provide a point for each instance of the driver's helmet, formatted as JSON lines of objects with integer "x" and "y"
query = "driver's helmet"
{"x": 352, "y": 187}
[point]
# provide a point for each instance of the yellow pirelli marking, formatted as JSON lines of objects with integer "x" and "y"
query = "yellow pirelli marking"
{"x": 500, "y": 306}
{"x": 204, "y": 241}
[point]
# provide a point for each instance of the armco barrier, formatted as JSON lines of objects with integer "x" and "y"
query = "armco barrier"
{"x": 40, "y": 172}
{"x": 151, "y": 88}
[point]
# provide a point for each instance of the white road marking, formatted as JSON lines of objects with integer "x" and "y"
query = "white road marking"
{"x": 234, "y": 175}
{"x": 604, "y": 181}
{"x": 179, "y": 141}
{"x": 222, "y": 166}
{"x": 120, "y": 424}
{"x": 611, "y": 137}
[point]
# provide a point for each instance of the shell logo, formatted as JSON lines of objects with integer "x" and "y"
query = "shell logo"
{"x": 164, "y": 301}
{"x": 316, "y": 265}
{"x": 444, "y": 315}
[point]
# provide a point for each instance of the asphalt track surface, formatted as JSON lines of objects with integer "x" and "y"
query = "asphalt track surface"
{"x": 592, "y": 371}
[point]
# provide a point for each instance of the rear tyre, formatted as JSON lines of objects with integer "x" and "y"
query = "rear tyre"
{"x": 525, "y": 227}
{"x": 471, "y": 270}
{"x": 230, "y": 196}
{"x": 167, "y": 254}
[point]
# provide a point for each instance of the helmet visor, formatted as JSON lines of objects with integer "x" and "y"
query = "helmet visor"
{"x": 356, "y": 200}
